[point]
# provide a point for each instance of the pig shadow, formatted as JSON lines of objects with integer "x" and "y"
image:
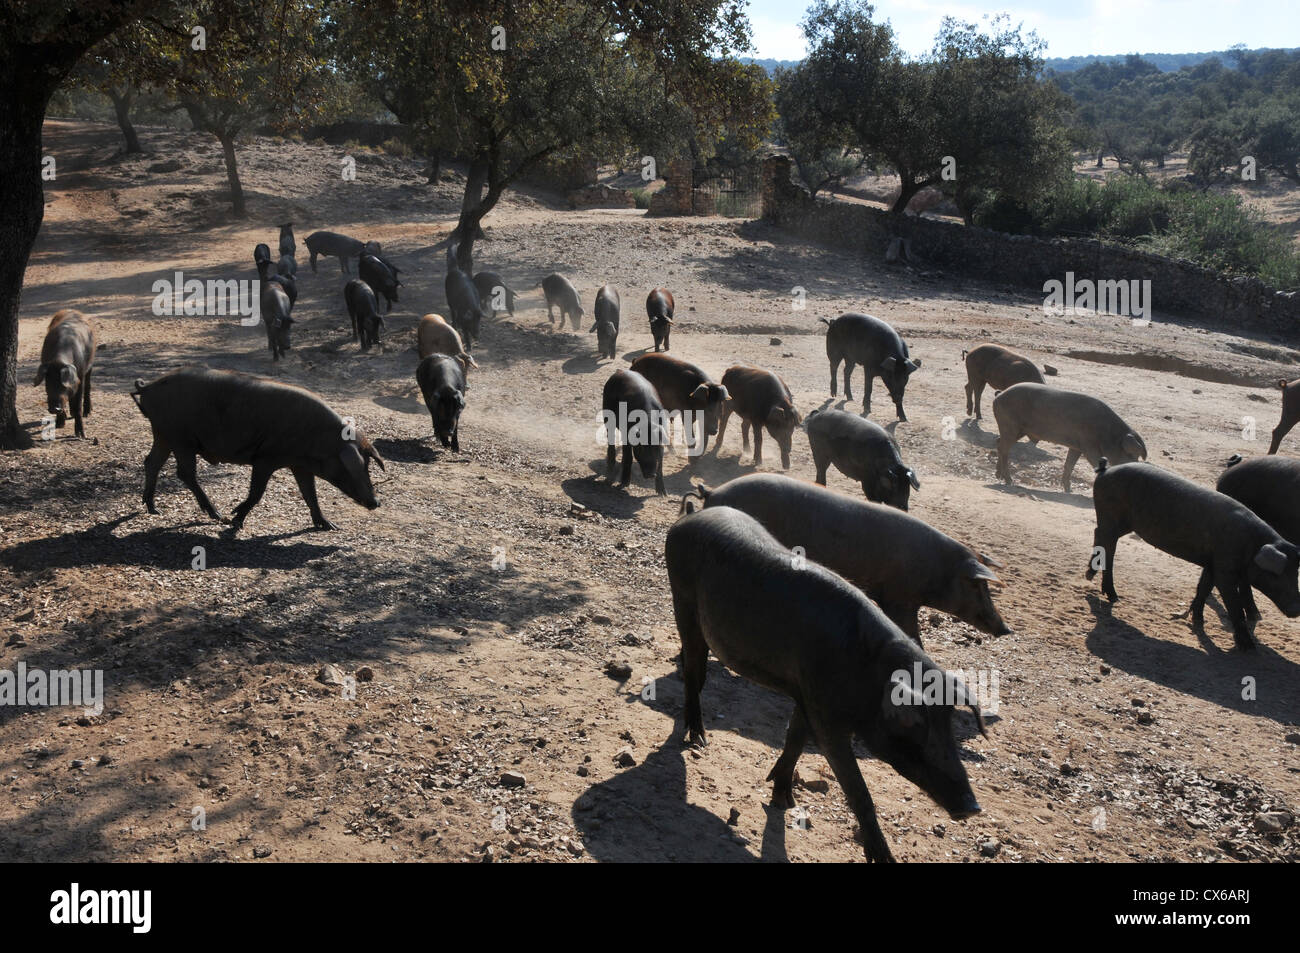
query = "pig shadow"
{"x": 1207, "y": 672}
{"x": 162, "y": 547}
{"x": 1049, "y": 496}
{"x": 641, "y": 813}
{"x": 583, "y": 364}
{"x": 425, "y": 449}
{"x": 412, "y": 404}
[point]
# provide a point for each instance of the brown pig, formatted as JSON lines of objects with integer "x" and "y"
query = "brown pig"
{"x": 995, "y": 366}
{"x": 435, "y": 336}
{"x": 67, "y": 358}
{"x": 760, "y": 399}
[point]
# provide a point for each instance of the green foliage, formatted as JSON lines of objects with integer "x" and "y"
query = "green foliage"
{"x": 641, "y": 197}
{"x": 1217, "y": 230}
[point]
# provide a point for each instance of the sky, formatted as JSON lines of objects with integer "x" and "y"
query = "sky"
{"x": 1070, "y": 27}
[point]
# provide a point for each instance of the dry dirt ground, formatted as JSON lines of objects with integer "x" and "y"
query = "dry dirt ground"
{"x": 513, "y": 608}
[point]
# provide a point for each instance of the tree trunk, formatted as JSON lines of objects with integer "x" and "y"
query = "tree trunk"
{"x": 907, "y": 189}
{"x": 471, "y": 211}
{"x": 122, "y": 106}
{"x": 435, "y": 168}
{"x": 30, "y": 71}
{"x": 22, "y": 110}
{"x": 1101, "y": 157}
{"x": 232, "y": 173}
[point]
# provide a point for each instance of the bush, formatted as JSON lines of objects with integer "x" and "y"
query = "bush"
{"x": 642, "y": 198}
{"x": 396, "y": 147}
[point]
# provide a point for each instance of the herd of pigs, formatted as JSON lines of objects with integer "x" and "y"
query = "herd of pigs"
{"x": 803, "y": 590}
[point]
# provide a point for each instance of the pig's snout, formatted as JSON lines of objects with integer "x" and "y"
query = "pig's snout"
{"x": 967, "y": 808}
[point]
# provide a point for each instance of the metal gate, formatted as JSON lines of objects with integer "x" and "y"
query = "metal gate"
{"x": 735, "y": 193}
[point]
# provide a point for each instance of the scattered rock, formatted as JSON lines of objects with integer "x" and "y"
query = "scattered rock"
{"x": 330, "y": 675}
{"x": 1049, "y": 370}
{"x": 365, "y": 674}
{"x": 990, "y": 848}
{"x": 261, "y": 851}
{"x": 170, "y": 165}
{"x": 774, "y": 342}
{"x": 1273, "y": 822}
{"x": 513, "y": 779}
{"x": 734, "y": 818}
{"x": 816, "y": 785}
{"x": 624, "y": 757}
{"x": 621, "y": 671}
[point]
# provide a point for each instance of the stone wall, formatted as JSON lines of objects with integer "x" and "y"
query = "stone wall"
{"x": 675, "y": 197}
{"x": 1177, "y": 286}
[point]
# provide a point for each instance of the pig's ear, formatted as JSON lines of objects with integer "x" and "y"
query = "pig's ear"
{"x": 912, "y": 478}
{"x": 988, "y": 560}
{"x": 1271, "y": 559}
{"x": 888, "y": 364}
{"x": 901, "y": 703}
{"x": 776, "y": 416}
{"x": 353, "y": 463}
{"x": 913, "y": 364}
{"x": 460, "y": 400}
{"x": 961, "y": 695}
{"x": 722, "y": 392}
{"x": 977, "y": 570}
{"x": 700, "y": 393}
{"x": 368, "y": 451}
{"x": 68, "y": 377}
{"x": 40, "y": 375}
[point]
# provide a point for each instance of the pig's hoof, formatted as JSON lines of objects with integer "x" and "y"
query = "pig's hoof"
{"x": 323, "y": 525}
{"x": 696, "y": 739}
{"x": 783, "y": 796}
{"x": 1090, "y": 573}
{"x": 151, "y": 508}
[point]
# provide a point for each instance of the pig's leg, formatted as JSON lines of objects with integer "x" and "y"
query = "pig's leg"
{"x": 782, "y": 773}
{"x": 1197, "y": 609}
{"x": 722, "y": 427}
{"x": 158, "y": 455}
{"x": 848, "y": 373}
{"x": 1105, "y": 537}
{"x": 838, "y": 749}
{"x": 1071, "y": 459}
{"x": 307, "y": 487}
{"x": 695, "y": 668}
{"x": 1004, "y": 456}
{"x": 668, "y": 334}
{"x": 85, "y": 390}
{"x": 256, "y": 487}
{"x": 1230, "y": 592}
{"x": 1281, "y": 430}
{"x": 79, "y": 429}
{"x": 758, "y": 444}
{"x": 974, "y": 394}
{"x": 659, "y": 475}
{"x": 867, "y": 381}
{"x": 187, "y": 470}
{"x": 835, "y": 369}
{"x": 1248, "y": 597}
{"x": 821, "y": 460}
{"x": 611, "y": 455}
{"x": 627, "y": 465}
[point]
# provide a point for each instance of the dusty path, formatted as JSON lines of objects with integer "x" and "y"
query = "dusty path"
{"x": 508, "y": 629}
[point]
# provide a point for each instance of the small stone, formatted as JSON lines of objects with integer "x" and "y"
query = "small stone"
{"x": 26, "y": 616}
{"x": 1049, "y": 370}
{"x": 624, "y": 758}
{"x": 1105, "y": 670}
{"x": 621, "y": 671}
{"x": 1068, "y": 769}
{"x": 774, "y": 342}
{"x": 1273, "y": 822}
{"x": 330, "y": 675}
{"x": 1294, "y": 738}
{"x": 365, "y": 674}
{"x": 566, "y": 530}
{"x": 939, "y": 830}
{"x": 1145, "y": 718}
{"x": 990, "y": 848}
{"x": 1137, "y": 703}
{"x": 583, "y": 771}
{"x": 261, "y": 851}
{"x": 734, "y": 818}
{"x": 815, "y": 785}
{"x": 513, "y": 779}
